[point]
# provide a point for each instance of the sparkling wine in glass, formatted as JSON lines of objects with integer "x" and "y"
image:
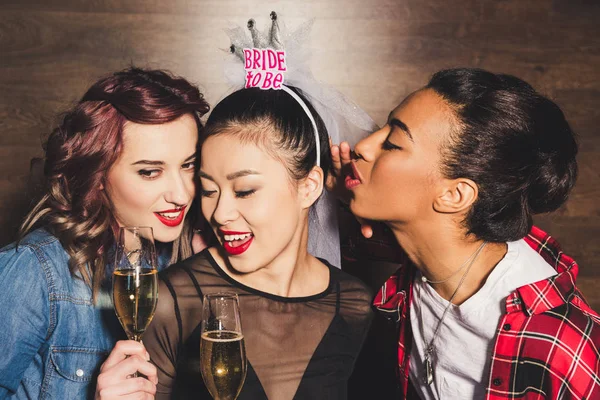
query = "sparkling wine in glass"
{"x": 222, "y": 353}
{"x": 135, "y": 280}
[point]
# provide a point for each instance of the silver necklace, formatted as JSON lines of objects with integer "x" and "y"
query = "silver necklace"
{"x": 429, "y": 348}
{"x": 464, "y": 264}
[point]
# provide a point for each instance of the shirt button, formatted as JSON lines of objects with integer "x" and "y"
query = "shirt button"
{"x": 517, "y": 301}
{"x": 497, "y": 382}
{"x": 506, "y": 327}
{"x": 79, "y": 373}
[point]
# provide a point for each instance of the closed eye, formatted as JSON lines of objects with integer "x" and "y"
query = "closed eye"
{"x": 387, "y": 145}
{"x": 207, "y": 193}
{"x": 244, "y": 194}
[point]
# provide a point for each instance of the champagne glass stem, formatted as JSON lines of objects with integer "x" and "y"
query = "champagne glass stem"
{"x": 136, "y": 303}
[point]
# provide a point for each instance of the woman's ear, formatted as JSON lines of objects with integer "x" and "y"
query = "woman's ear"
{"x": 457, "y": 195}
{"x": 311, "y": 187}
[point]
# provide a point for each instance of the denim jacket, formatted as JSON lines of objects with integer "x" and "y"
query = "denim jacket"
{"x": 53, "y": 338}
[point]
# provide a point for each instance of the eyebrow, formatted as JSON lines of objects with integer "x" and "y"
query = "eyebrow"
{"x": 232, "y": 176}
{"x": 157, "y": 162}
{"x": 398, "y": 123}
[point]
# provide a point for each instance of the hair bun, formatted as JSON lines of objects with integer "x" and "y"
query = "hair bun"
{"x": 555, "y": 171}
{"x": 550, "y": 188}
{"x": 514, "y": 143}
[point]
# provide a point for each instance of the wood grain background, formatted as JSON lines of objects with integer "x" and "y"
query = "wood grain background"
{"x": 375, "y": 51}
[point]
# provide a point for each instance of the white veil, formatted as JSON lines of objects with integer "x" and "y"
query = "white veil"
{"x": 345, "y": 121}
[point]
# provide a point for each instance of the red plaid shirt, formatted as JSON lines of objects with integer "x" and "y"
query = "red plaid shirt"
{"x": 547, "y": 344}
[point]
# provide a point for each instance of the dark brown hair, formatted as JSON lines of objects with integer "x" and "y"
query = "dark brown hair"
{"x": 81, "y": 150}
{"x": 513, "y": 142}
{"x": 291, "y": 135}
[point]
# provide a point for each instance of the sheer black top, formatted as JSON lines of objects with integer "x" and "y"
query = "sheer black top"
{"x": 297, "y": 348}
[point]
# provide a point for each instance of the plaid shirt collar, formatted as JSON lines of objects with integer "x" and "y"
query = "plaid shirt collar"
{"x": 539, "y": 297}
{"x": 535, "y": 298}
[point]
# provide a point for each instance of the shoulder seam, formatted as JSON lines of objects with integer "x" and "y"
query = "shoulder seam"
{"x": 47, "y": 269}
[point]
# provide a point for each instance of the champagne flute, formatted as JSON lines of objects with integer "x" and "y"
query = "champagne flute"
{"x": 222, "y": 353}
{"x": 135, "y": 280}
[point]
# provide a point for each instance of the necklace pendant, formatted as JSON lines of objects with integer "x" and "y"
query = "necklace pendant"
{"x": 428, "y": 371}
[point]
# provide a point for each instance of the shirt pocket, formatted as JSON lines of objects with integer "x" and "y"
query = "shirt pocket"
{"x": 73, "y": 370}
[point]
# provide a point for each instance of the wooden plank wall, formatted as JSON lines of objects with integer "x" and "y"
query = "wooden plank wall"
{"x": 375, "y": 51}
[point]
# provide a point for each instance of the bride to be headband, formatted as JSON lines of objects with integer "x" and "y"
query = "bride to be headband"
{"x": 265, "y": 69}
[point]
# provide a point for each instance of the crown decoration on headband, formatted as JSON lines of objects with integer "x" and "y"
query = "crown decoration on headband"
{"x": 265, "y": 64}
{"x": 265, "y": 57}
{"x": 239, "y": 39}
{"x": 264, "y": 68}
{"x": 343, "y": 118}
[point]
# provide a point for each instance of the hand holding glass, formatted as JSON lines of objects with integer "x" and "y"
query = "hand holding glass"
{"x": 222, "y": 351}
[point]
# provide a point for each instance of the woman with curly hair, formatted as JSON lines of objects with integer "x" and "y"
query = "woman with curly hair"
{"x": 125, "y": 154}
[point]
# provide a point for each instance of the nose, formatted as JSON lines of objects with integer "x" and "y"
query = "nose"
{"x": 225, "y": 210}
{"x": 368, "y": 148}
{"x": 180, "y": 190}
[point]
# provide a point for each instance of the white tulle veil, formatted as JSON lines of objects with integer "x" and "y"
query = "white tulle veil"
{"x": 345, "y": 121}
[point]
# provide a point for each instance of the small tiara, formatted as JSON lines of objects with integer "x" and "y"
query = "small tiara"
{"x": 265, "y": 64}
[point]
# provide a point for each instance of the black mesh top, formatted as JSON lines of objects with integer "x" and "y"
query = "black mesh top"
{"x": 297, "y": 348}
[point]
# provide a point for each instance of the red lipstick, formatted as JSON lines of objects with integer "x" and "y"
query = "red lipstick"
{"x": 234, "y": 251}
{"x": 241, "y": 247}
{"x": 232, "y": 232}
{"x": 352, "y": 179}
{"x": 171, "y": 222}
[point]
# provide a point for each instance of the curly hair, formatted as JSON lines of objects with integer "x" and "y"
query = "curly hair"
{"x": 81, "y": 150}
